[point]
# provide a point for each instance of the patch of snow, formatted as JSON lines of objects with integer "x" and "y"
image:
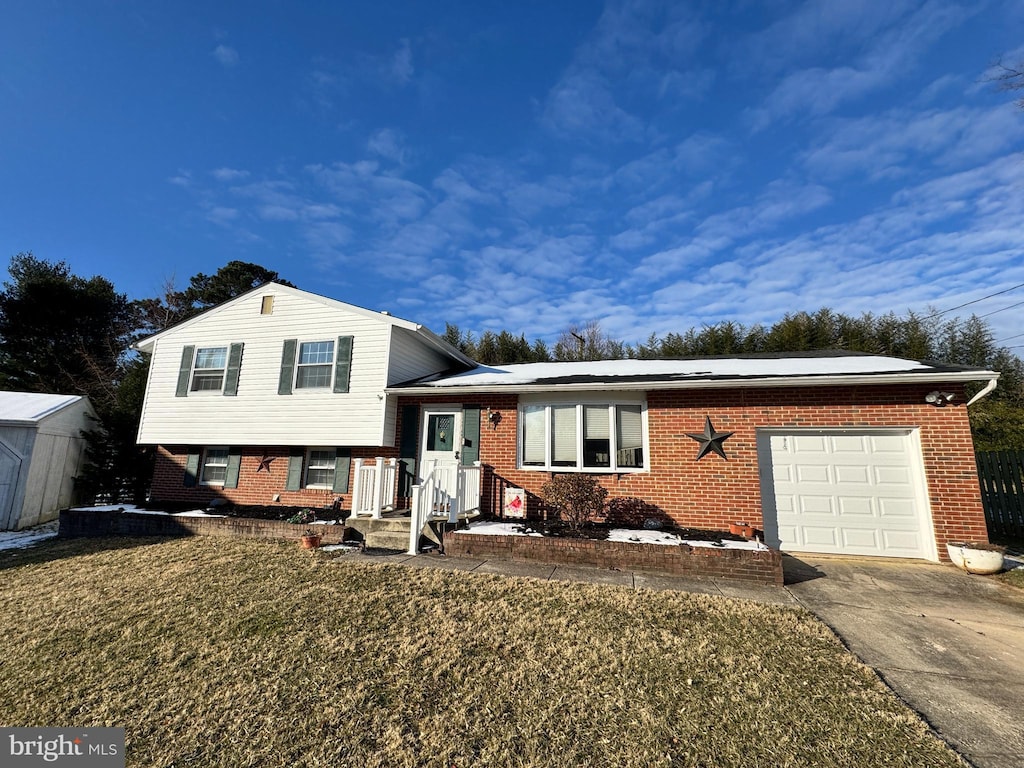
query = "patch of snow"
{"x": 28, "y": 537}
{"x": 495, "y": 528}
{"x": 343, "y": 548}
{"x": 623, "y": 535}
{"x": 322, "y": 522}
{"x": 529, "y": 373}
{"x": 192, "y": 513}
{"x": 107, "y": 508}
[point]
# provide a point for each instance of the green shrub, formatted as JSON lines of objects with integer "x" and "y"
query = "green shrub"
{"x": 575, "y": 498}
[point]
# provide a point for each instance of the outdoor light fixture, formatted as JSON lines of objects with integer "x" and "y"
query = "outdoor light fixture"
{"x": 494, "y": 417}
{"x": 939, "y": 399}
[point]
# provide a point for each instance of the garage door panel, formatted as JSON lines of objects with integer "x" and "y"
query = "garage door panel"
{"x": 888, "y": 444}
{"x": 815, "y": 505}
{"x": 808, "y": 444}
{"x": 820, "y": 536}
{"x": 844, "y": 444}
{"x": 856, "y": 506}
{"x": 892, "y": 476}
{"x": 902, "y": 541}
{"x": 848, "y": 474}
{"x": 847, "y": 492}
{"x": 860, "y": 540}
{"x": 898, "y": 509}
{"x": 806, "y": 473}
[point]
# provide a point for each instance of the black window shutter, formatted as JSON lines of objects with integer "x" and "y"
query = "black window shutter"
{"x": 294, "y": 482}
{"x": 342, "y": 465}
{"x": 343, "y": 364}
{"x": 407, "y": 449}
{"x": 470, "y": 435}
{"x": 284, "y": 384}
{"x": 192, "y": 469}
{"x": 184, "y": 370}
{"x": 234, "y": 365}
{"x": 234, "y": 464}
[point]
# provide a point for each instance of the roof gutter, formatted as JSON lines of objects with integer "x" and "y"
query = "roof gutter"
{"x": 748, "y": 383}
{"x": 984, "y": 392}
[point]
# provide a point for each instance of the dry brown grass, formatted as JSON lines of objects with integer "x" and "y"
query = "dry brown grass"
{"x": 214, "y": 652}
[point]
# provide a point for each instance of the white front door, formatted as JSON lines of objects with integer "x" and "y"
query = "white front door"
{"x": 441, "y": 446}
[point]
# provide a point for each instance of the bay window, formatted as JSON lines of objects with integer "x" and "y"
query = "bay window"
{"x": 595, "y": 437}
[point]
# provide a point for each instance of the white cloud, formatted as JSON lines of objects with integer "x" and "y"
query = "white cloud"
{"x": 389, "y": 144}
{"x": 401, "y": 69}
{"x": 229, "y": 174}
{"x": 226, "y": 55}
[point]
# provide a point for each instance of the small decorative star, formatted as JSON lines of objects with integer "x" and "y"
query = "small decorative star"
{"x": 710, "y": 440}
{"x": 265, "y": 463}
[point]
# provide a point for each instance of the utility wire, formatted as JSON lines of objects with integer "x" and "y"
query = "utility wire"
{"x": 1015, "y": 336}
{"x": 997, "y": 311}
{"x": 961, "y": 306}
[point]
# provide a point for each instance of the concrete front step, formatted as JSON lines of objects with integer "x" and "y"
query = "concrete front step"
{"x": 387, "y": 540}
{"x": 382, "y": 533}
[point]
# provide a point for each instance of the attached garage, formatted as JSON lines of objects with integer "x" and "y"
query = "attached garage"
{"x": 845, "y": 491}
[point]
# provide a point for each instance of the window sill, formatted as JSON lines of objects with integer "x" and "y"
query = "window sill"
{"x": 587, "y": 470}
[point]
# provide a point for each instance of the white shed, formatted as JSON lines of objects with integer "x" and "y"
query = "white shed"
{"x": 41, "y": 452}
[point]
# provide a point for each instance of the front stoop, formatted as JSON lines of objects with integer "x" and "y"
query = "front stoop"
{"x": 382, "y": 533}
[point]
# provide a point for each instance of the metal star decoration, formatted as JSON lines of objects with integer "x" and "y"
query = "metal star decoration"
{"x": 265, "y": 463}
{"x": 710, "y": 440}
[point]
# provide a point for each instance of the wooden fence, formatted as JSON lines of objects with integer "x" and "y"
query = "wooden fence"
{"x": 1001, "y": 474}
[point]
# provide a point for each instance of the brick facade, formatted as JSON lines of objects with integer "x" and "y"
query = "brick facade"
{"x": 710, "y": 493}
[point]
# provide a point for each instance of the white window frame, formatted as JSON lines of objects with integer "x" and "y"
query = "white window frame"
{"x": 206, "y": 463}
{"x": 309, "y": 466}
{"x": 208, "y": 371}
{"x": 299, "y": 365}
{"x": 612, "y": 404}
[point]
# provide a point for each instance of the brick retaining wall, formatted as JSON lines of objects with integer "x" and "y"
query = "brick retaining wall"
{"x": 86, "y": 522}
{"x": 758, "y": 566}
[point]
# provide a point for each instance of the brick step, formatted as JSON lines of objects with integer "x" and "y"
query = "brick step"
{"x": 368, "y": 525}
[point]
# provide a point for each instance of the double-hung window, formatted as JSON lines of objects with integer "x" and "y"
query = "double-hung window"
{"x": 320, "y": 464}
{"x": 315, "y": 365}
{"x": 595, "y": 437}
{"x": 215, "y": 466}
{"x": 209, "y": 368}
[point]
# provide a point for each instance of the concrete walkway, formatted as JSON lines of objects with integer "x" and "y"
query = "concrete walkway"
{"x": 949, "y": 644}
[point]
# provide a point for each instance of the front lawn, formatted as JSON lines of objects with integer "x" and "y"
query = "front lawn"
{"x": 215, "y": 652}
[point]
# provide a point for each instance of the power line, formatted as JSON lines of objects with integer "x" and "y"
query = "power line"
{"x": 1015, "y": 336}
{"x": 961, "y": 306}
{"x": 997, "y": 311}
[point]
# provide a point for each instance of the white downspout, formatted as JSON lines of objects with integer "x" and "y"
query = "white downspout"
{"x": 984, "y": 392}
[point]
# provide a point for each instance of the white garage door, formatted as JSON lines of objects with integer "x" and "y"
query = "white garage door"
{"x": 845, "y": 492}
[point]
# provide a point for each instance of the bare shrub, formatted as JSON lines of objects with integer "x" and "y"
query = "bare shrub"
{"x": 576, "y": 498}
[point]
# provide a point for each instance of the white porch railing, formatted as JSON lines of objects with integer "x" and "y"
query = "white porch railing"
{"x": 447, "y": 490}
{"x": 373, "y": 490}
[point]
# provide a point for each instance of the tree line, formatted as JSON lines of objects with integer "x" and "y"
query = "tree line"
{"x": 62, "y": 333}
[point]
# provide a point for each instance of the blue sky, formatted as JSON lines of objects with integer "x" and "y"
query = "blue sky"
{"x": 523, "y": 166}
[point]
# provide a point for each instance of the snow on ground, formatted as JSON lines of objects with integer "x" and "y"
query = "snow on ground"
{"x": 28, "y": 537}
{"x": 626, "y": 535}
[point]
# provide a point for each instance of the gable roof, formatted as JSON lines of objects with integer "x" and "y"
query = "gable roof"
{"x": 771, "y": 370}
{"x": 425, "y": 334}
{"x": 26, "y": 408}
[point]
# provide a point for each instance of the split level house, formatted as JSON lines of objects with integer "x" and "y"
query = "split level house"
{"x": 281, "y": 396}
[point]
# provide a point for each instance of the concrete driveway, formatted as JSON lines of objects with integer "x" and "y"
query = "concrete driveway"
{"x": 950, "y": 644}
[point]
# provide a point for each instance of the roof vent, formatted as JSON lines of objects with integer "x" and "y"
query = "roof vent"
{"x": 384, "y": 312}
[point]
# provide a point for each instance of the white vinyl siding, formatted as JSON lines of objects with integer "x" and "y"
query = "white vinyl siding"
{"x": 564, "y": 435}
{"x": 410, "y": 358}
{"x": 258, "y": 415}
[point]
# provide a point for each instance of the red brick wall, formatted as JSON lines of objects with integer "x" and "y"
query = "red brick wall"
{"x": 254, "y": 487}
{"x": 714, "y": 492}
